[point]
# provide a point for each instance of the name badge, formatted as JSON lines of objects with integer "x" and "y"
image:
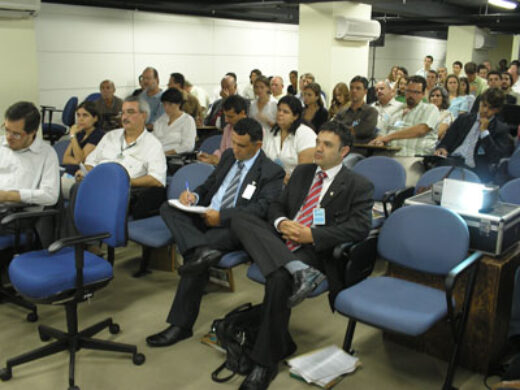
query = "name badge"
{"x": 249, "y": 191}
{"x": 318, "y": 216}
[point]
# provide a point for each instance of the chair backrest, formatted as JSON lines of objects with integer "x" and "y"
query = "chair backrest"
{"x": 385, "y": 173}
{"x": 195, "y": 174}
{"x": 513, "y": 166}
{"x": 210, "y": 144}
{"x": 436, "y": 174}
{"x": 426, "y": 238}
{"x": 510, "y": 192}
{"x": 93, "y": 97}
{"x": 102, "y": 203}
{"x": 60, "y": 147}
{"x": 67, "y": 117}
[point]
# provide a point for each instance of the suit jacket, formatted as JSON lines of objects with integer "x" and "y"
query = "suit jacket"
{"x": 497, "y": 145}
{"x": 264, "y": 174}
{"x": 348, "y": 214}
{"x": 211, "y": 117}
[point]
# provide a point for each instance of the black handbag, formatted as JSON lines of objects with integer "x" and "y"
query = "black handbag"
{"x": 236, "y": 333}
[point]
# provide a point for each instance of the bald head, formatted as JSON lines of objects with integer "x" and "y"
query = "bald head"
{"x": 276, "y": 85}
{"x": 384, "y": 92}
{"x": 228, "y": 86}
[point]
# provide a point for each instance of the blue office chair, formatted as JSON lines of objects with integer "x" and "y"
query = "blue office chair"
{"x": 439, "y": 173}
{"x": 513, "y": 165}
{"x": 93, "y": 97}
{"x": 152, "y": 232}
{"x": 388, "y": 176}
{"x": 68, "y": 276}
{"x": 510, "y": 192}
{"x": 424, "y": 238}
{"x": 53, "y": 131}
{"x": 60, "y": 147}
{"x": 210, "y": 144}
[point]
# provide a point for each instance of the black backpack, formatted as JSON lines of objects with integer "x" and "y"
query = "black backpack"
{"x": 236, "y": 333}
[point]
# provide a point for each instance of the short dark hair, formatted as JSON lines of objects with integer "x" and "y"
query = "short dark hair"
{"x": 172, "y": 95}
{"x": 178, "y": 78}
{"x": 494, "y": 97}
{"x": 403, "y": 69}
{"x": 258, "y": 72}
{"x": 154, "y": 71}
{"x": 249, "y": 126}
{"x": 466, "y": 81}
{"x": 295, "y": 105}
{"x": 516, "y": 63}
{"x": 430, "y": 57}
{"x": 457, "y": 63}
{"x": 417, "y": 80}
{"x": 340, "y": 130}
{"x": 26, "y": 111}
{"x": 236, "y": 103}
{"x": 294, "y": 72}
{"x": 495, "y": 72}
{"x": 360, "y": 79}
{"x": 481, "y": 66}
{"x": 507, "y": 74}
{"x": 470, "y": 68}
{"x": 232, "y": 74}
{"x": 433, "y": 72}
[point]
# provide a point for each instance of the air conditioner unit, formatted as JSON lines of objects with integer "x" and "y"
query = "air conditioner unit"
{"x": 19, "y": 8}
{"x": 350, "y": 29}
{"x": 484, "y": 41}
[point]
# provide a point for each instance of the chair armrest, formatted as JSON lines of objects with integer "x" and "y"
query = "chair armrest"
{"x": 51, "y": 108}
{"x": 71, "y": 241}
{"x": 340, "y": 249}
{"x": 359, "y": 258}
{"x": 8, "y": 219}
{"x": 396, "y": 198}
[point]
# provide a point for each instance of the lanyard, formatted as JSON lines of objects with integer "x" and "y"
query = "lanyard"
{"x": 128, "y": 147}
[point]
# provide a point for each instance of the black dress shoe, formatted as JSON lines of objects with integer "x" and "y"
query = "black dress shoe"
{"x": 305, "y": 281}
{"x": 207, "y": 258}
{"x": 169, "y": 336}
{"x": 259, "y": 378}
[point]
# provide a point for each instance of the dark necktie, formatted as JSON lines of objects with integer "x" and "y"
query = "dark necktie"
{"x": 231, "y": 190}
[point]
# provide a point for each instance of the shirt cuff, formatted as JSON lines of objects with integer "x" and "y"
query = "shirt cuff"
{"x": 484, "y": 134}
{"x": 277, "y": 222}
{"x": 25, "y": 195}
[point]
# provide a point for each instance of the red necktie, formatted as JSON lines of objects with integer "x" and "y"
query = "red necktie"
{"x": 305, "y": 216}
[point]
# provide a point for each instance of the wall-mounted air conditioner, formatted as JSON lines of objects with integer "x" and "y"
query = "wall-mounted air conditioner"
{"x": 350, "y": 29}
{"x": 19, "y": 8}
{"x": 483, "y": 40}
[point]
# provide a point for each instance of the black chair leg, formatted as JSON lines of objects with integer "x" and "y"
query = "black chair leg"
{"x": 7, "y": 296}
{"x": 96, "y": 328}
{"x": 46, "y": 333}
{"x": 349, "y": 335}
{"x": 72, "y": 365}
{"x": 145, "y": 262}
{"x": 105, "y": 345}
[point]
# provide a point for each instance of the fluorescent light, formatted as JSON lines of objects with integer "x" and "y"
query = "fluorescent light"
{"x": 503, "y": 3}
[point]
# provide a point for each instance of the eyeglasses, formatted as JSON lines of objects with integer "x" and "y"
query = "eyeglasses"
{"x": 412, "y": 92}
{"x": 17, "y": 136}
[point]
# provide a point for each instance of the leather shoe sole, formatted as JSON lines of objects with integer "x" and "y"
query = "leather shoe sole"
{"x": 206, "y": 259}
{"x": 305, "y": 290}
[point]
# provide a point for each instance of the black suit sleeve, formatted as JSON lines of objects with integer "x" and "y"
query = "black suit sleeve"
{"x": 352, "y": 223}
{"x": 498, "y": 144}
{"x": 450, "y": 140}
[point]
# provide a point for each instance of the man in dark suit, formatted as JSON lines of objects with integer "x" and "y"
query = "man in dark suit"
{"x": 480, "y": 139}
{"x": 245, "y": 180}
{"x": 294, "y": 253}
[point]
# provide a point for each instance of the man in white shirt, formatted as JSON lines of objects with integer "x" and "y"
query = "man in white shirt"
{"x": 139, "y": 152}
{"x": 428, "y": 61}
{"x": 385, "y": 105}
{"x": 513, "y": 71}
{"x": 29, "y": 168}
{"x": 277, "y": 87}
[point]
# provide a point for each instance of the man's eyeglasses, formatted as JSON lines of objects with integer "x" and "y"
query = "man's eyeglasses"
{"x": 17, "y": 136}
{"x": 412, "y": 92}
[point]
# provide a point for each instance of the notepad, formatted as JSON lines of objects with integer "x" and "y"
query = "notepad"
{"x": 190, "y": 209}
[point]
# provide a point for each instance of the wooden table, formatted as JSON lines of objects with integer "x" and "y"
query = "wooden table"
{"x": 488, "y": 322}
{"x": 204, "y": 132}
{"x": 371, "y": 149}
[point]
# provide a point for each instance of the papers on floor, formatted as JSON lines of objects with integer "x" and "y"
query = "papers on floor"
{"x": 323, "y": 367}
{"x": 190, "y": 209}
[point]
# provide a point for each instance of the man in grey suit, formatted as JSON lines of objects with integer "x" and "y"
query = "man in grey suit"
{"x": 324, "y": 204}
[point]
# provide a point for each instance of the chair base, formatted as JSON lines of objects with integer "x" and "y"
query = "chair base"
{"x": 145, "y": 263}
{"x": 72, "y": 341}
{"x": 12, "y": 297}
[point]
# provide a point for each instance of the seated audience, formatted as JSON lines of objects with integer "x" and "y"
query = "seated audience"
{"x": 152, "y": 95}
{"x": 276, "y": 85}
{"x": 480, "y": 139}
{"x": 314, "y": 112}
{"x": 400, "y": 89}
{"x": 200, "y": 94}
{"x": 392, "y": 76}
{"x": 477, "y": 85}
{"x": 428, "y": 61}
{"x": 464, "y": 92}
{"x": 443, "y": 73}
{"x": 235, "y": 108}
{"x": 502, "y": 65}
{"x": 507, "y": 81}
{"x": 190, "y": 103}
{"x": 340, "y": 99}
{"x": 139, "y": 90}
{"x": 458, "y": 103}
{"x": 514, "y": 72}
{"x": 431, "y": 81}
{"x": 228, "y": 87}
{"x": 109, "y": 106}
{"x": 292, "y": 88}
{"x": 295, "y": 254}
{"x": 175, "y": 129}
{"x": 245, "y": 181}
{"x": 402, "y": 72}
{"x": 412, "y": 128}
{"x": 263, "y": 108}
{"x": 30, "y": 173}
{"x": 248, "y": 92}
{"x": 385, "y": 104}
{"x": 457, "y": 68}
{"x": 482, "y": 71}
{"x": 290, "y": 142}
{"x": 439, "y": 98}
{"x": 140, "y": 152}
{"x": 494, "y": 80}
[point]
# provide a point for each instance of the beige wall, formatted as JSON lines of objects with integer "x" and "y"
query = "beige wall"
{"x": 18, "y": 66}
{"x": 460, "y": 44}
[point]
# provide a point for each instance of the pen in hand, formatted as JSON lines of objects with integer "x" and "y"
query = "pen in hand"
{"x": 188, "y": 193}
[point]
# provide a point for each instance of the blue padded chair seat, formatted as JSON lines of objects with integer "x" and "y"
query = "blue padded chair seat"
{"x": 40, "y": 275}
{"x": 393, "y": 304}
{"x": 231, "y": 259}
{"x": 151, "y": 232}
{"x": 254, "y": 273}
{"x": 7, "y": 241}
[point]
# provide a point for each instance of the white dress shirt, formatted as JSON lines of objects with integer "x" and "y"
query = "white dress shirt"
{"x": 142, "y": 157}
{"x": 34, "y": 172}
{"x": 179, "y": 136}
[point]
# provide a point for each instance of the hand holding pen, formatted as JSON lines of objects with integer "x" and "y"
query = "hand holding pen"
{"x": 187, "y": 197}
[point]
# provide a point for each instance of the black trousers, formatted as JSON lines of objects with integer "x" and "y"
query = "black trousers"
{"x": 267, "y": 249}
{"x": 190, "y": 232}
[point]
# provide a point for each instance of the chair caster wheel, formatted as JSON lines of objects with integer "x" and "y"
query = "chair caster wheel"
{"x": 32, "y": 317}
{"x": 73, "y": 388}
{"x": 138, "y": 359}
{"x": 114, "y": 329}
{"x": 44, "y": 337}
{"x": 6, "y": 374}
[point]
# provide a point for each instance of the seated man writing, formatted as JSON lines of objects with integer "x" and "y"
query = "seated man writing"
{"x": 323, "y": 205}
{"x": 244, "y": 180}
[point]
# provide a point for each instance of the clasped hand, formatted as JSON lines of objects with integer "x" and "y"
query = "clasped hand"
{"x": 296, "y": 232}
